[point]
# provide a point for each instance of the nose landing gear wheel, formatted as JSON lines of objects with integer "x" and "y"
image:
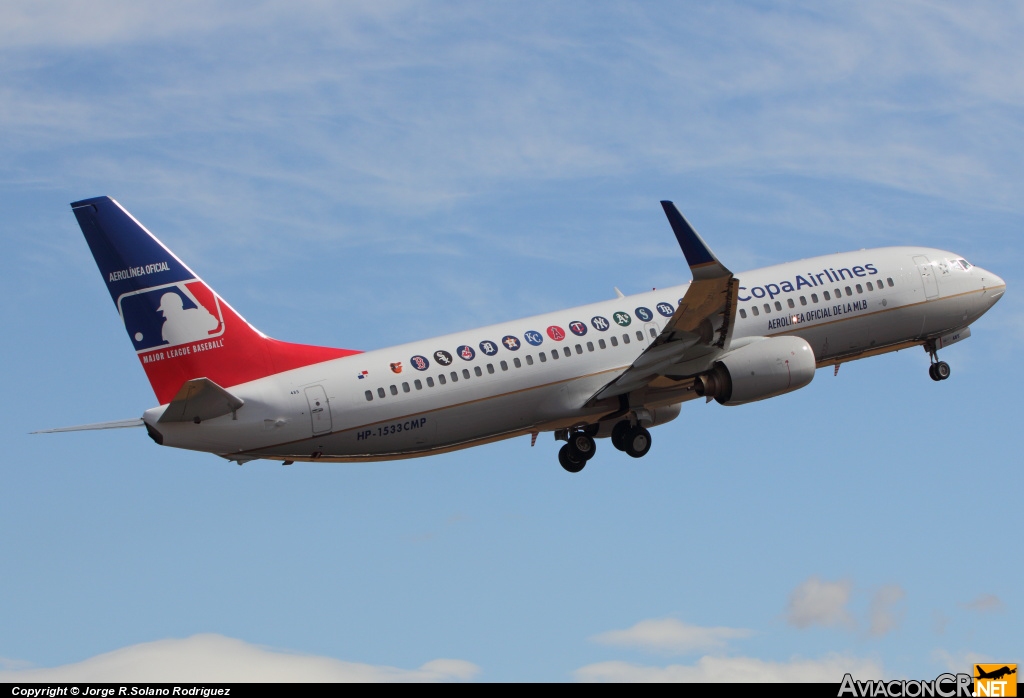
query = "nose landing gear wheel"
{"x": 637, "y": 442}
{"x": 939, "y": 371}
{"x": 568, "y": 460}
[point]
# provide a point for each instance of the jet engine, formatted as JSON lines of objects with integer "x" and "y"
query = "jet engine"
{"x": 767, "y": 368}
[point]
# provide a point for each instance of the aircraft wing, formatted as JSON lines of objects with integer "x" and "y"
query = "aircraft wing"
{"x": 701, "y": 327}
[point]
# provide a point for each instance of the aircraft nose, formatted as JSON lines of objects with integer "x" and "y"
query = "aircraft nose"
{"x": 993, "y": 286}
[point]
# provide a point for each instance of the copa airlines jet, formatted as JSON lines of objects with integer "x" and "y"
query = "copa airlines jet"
{"x": 611, "y": 369}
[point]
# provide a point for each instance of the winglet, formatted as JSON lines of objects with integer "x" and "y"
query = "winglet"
{"x": 703, "y": 262}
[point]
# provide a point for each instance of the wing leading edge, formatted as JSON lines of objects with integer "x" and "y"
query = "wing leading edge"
{"x": 698, "y": 332}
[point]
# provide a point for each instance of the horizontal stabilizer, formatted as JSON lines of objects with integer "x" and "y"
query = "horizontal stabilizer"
{"x": 200, "y": 399}
{"x": 120, "y": 424}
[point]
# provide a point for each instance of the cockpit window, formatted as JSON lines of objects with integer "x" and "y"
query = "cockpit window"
{"x": 965, "y": 264}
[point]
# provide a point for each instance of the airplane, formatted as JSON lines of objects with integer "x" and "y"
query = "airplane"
{"x": 612, "y": 369}
{"x": 996, "y": 673}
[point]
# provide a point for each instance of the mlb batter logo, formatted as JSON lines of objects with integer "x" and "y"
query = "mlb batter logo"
{"x": 995, "y": 680}
{"x": 171, "y": 315}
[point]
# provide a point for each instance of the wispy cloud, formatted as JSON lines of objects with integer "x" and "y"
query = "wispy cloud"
{"x": 885, "y": 613}
{"x": 671, "y": 636}
{"x": 819, "y": 602}
{"x": 985, "y": 603}
{"x": 829, "y": 669}
{"x": 215, "y": 658}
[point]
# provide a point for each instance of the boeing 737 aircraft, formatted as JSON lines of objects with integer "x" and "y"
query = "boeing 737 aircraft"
{"x": 611, "y": 369}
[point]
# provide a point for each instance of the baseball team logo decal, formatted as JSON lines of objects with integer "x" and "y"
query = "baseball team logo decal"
{"x": 556, "y": 333}
{"x": 488, "y": 348}
{"x": 644, "y": 314}
{"x": 511, "y": 342}
{"x": 666, "y": 309}
{"x": 396, "y": 367}
{"x": 420, "y": 363}
{"x": 622, "y": 318}
{"x": 442, "y": 357}
{"x": 599, "y": 323}
{"x": 466, "y": 352}
{"x": 578, "y": 328}
{"x": 533, "y": 337}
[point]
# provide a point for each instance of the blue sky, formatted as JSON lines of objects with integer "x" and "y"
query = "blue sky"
{"x": 364, "y": 174}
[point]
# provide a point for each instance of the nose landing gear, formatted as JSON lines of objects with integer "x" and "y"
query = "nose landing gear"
{"x": 938, "y": 370}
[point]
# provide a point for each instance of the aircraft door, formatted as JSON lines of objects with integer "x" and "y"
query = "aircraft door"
{"x": 931, "y": 286}
{"x": 319, "y": 409}
{"x": 650, "y": 336}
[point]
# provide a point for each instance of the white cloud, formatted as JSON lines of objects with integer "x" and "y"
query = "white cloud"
{"x": 885, "y": 613}
{"x": 959, "y": 662}
{"x": 215, "y": 658}
{"x": 670, "y": 636}
{"x": 819, "y": 602}
{"x": 829, "y": 669}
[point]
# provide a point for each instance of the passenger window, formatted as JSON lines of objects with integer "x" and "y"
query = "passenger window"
{"x": 430, "y": 382}
{"x": 654, "y": 333}
{"x": 814, "y": 298}
{"x": 839, "y": 294}
{"x": 639, "y": 336}
{"x": 405, "y": 387}
{"x": 369, "y": 395}
{"x": 380, "y": 392}
{"x": 590, "y": 346}
{"x": 849, "y": 292}
{"x": 614, "y": 340}
{"x": 825, "y": 294}
{"x": 490, "y": 368}
{"x": 529, "y": 360}
{"x": 625, "y": 339}
{"x": 517, "y": 362}
{"x": 870, "y": 287}
{"x": 767, "y": 309}
{"x": 477, "y": 371}
{"x": 778, "y": 305}
{"x": 567, "y": 351}
{"x": 554, "y": 354}
{"x": 889, "y": 281}
{"x": 504, "y": 365}
{"x": 601, "y": 344}
{"x": 455, "y": 376}
{"x": 465, "y": 373}
{"x": 579, "y": 349}
{"x": 790, "y": 302}
{"x": 543, "y": 357}
{"x": 803, "y": 300}
{"x": 754, "y": 310}
{"x": 418, "y": 384}
{"x": 743, "y": 313}
{"x": 860, "y": 289}
{"x": 441, "y": 379}
{"x": 394, "y": 390}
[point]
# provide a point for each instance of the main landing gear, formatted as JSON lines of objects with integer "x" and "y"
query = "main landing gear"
{"x": 939, "y": 370}
{"x": 580, "y": 447}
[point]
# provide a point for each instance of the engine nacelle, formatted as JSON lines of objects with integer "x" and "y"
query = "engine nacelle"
{"x": 757, "y": 371}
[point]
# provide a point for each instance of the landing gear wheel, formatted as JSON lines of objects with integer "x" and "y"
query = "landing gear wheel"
{"x": 931, "y": 373}
{"x": 637, "y": 442}
{"x": 582, "y": 446}
{"x": 569, "y": 461}
{"x": 619, "y": 435}
{"x": 942, "y": 371}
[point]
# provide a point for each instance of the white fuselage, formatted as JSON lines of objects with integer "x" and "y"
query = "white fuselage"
{"x": 377, "y": 405}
